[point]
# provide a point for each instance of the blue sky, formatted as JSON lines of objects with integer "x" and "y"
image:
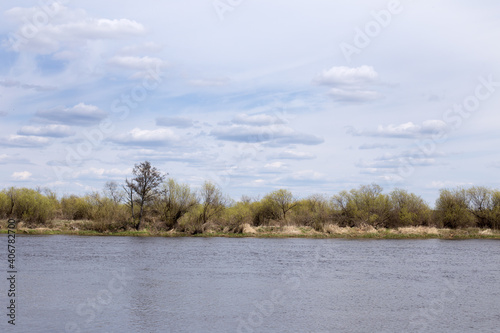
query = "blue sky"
{"x": 312, "y": 96}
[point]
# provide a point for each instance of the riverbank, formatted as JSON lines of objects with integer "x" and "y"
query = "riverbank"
{"x": 329, "y": 231}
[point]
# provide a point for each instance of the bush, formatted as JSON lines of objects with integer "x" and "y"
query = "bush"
{"x": 76, "y": 208}
{"x": 452, "y": 210}
{"x": 495, "y": 211}
{"x": 408, "y": 209}
{"x": 31, "y": 206}
{"x": 192, "y": 221}
{"x": 263, "y": 212}
{"x": 107, "y": 212}
{"x": 315, "y": 211}
{"x": 237, "y": 215}
{"x": 280, "y": 202}
{"x": 364, "y": 206}
{"x": 173, "y": 201}
{"x": 213, "y": 202}
{"x": 4, "y": 205}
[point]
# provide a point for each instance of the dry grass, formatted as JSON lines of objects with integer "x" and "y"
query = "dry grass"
{"x": 366, "y": 228}
{"x": 487, "y": 232}
{"x": 420, "y": 230}
{"x": 247, "y": 229}
{"x": 291, "y": 230}
{"x": 335, "y": 229}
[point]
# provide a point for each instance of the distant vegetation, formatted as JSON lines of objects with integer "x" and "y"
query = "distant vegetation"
{"x": 153, "y": 202}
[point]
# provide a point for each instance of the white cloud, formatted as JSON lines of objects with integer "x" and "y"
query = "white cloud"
{"x": 54, "y": 131}
{"x": 138, "y": 137}
{"x": 366, "y": 146}
{"x": 434, "y": 126}
{"x": 12, "y": 159}
{"x": 392, "y": 167}
{"x": 210, "y": 82}
{"x": 276, "y": 135}
{"x": 293, "y": 155}
{"x": 137, "y": 63}
{"x": 347, "y": 76}
{"x": 67, "y": 26}
{"x": 446, "y": 184}
{"x": 10, "y": 83}
{"x": 307, "y": 175}
{"x": 350, "y": 84}
{"x": 407, "y": 130}
{"x": 103, "y": 173}
{"x": 274, "y": 165}
{"x": 179, "y": 122}
{"x": 353, "y": 95}
{"x": 80, "y": 115}
{"x": 396, "y": 162}
{"x": 21, "y": 175}
{"x": 196, "y": 157}
{"x": 22, "y": 141}
{"x": 147, "y": 47}
{"x": 257, "y": 120}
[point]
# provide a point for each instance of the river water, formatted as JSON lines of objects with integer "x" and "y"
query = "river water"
{"x": 131, "y": 284}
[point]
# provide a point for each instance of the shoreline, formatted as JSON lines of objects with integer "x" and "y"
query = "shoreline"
{"x": 288, "y": 232}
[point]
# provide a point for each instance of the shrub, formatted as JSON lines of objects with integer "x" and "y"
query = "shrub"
{"x": 191, "y": 222}
{"x": 264, "y": 211}
{"x": 32, "y": 207}
{"x": 4, "y": 205}
{"x": 408, "y": 209}
{"x": 76, "y": 208}
{"x": 173, "y": 201}
{"x": 452, "y": 210}
{"x": 237, "y": 215}
{"x": 213, "y": 202}
{"x": 363, "y": 206}
{"x": 314, "y": 211}
{"x": 281, "y": 202}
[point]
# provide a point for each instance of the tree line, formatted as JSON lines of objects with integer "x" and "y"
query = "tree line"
{"x": 151, "y": 200}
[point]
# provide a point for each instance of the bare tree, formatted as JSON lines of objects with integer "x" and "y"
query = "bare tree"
{"x": 112, "y": 191}
{"x": 129, "y": 197}
{"x": 174, "y": 201}
{"x": 213, "y": 201}
{"x": 284, "y": 200}
{"x": 12, "y": 194}
{"x": 481, "y": 205}
{"x": 144, "y": 184}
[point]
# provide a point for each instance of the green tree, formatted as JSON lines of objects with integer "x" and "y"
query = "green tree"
{"x": 495, "y": 209}
{"x": 31, "y": 206}
{"x": 174, "y": 200}
{"x": 144, "y": 184}
{"x": 314, "y": 211}
{"x": 76, "y": 208}
{"x": 283, "y": 201}
{"x": 212, "y": 200}
{"x": 408, "y": 209}
{"x": 452, "y": 209}
{"x": 363, "y": 206}
{"x": 481, "y": 205}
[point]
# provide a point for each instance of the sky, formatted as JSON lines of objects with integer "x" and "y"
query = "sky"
{"x": 311, "y": 96}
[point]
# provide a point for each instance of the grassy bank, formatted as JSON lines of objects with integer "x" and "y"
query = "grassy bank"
{"x": 245, "y": 230}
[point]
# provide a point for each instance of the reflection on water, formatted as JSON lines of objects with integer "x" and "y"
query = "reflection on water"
{"x": 129, "y": 284}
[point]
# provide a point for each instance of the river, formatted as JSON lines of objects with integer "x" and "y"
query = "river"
{"x": 132, "y": 284}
